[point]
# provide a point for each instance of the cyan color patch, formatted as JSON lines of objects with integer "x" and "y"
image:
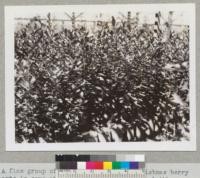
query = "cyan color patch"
{"x": 125, "y": 165}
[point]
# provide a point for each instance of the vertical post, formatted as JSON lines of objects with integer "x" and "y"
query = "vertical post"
{"x": 73, "y": 19}
{"x": 170, "y": 19}
{"x": 168, "y": 27}
{"x": 137, "y": 18}
{"x": 63, "y": 24}
{"x": 129, "y": 20}
{"x": 113, "y": 22}
{"x": 49, "y": 20}
{"x": 157, "y": 23}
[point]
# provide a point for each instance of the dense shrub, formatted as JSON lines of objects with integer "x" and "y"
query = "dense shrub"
{"x": 116, "y": 84}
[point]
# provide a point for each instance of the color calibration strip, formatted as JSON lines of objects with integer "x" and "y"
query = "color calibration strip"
{"x": 97, "y": 165}
{"x": 128, "y": 157}
{"x": 98, "y": 162}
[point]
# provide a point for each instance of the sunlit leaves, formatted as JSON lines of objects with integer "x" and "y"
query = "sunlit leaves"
{"x": 72, "y": 86}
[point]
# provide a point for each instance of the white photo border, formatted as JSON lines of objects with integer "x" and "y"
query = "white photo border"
{"x": 11, "y": 145}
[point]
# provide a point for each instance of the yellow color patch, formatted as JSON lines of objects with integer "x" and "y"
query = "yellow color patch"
{"x": 107, "y": 165}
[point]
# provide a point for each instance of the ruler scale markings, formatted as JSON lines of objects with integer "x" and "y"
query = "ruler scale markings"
{"x": 100, "y": 174}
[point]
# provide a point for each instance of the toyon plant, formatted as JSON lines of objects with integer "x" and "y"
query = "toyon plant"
{"x": 117, "y": 84}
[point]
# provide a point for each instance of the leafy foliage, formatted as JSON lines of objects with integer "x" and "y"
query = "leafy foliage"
{"x": 117, "y": 84}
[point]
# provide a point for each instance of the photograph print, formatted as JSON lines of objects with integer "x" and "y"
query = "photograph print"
{"x": 100, "y": 77}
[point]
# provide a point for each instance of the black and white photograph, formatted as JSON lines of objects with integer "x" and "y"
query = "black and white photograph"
{"x": 100, "y": 77}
